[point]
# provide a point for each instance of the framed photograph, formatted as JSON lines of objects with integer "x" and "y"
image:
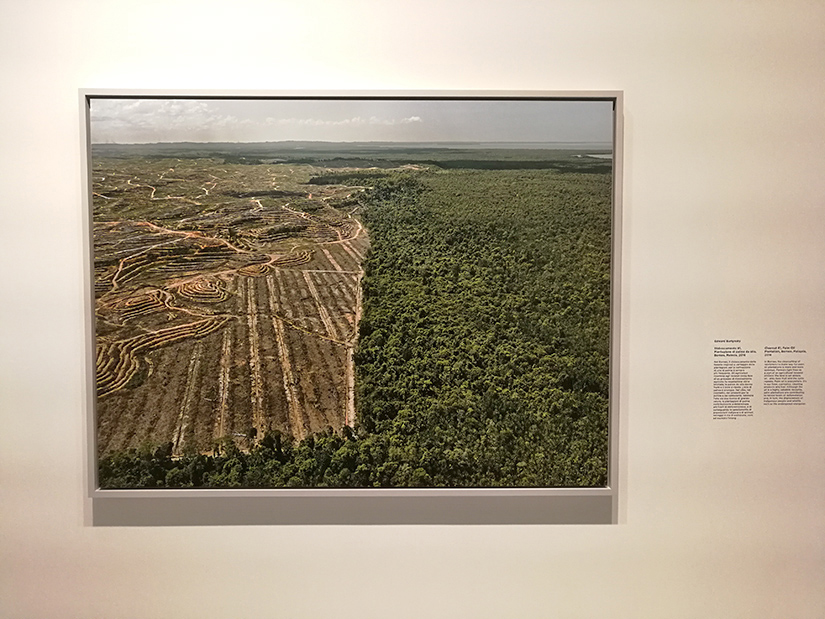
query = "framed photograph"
{"x": 352, "y": 308}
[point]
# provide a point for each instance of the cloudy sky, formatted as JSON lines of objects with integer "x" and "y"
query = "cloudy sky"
{"x": 258, "y": 120}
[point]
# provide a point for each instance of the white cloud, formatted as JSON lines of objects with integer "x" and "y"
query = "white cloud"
{"x": 154, "y": 120}
{"x": 181, "y": 120}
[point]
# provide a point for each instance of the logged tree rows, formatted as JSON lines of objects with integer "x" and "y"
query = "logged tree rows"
{"x": 482, "y": 355}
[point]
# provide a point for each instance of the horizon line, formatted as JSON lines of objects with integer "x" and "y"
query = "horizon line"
{"x": 351, "y": 142}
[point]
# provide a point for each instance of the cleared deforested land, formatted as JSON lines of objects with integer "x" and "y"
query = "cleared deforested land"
{"x": 225, "y": 302}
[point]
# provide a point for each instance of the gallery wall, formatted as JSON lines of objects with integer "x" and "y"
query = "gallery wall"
{"x": 723, "y": 238}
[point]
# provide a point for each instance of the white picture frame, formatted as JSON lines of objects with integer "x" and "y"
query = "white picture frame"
{"x": 247, "y": 506}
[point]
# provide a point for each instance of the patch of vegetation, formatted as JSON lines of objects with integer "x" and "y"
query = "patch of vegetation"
{"x": 580, "y": 166}
{"x": 484, "y": 338}
{"x": 357, "y": 178}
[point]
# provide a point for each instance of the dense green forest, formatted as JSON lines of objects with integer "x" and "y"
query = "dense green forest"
{"x": 483, "y": 348}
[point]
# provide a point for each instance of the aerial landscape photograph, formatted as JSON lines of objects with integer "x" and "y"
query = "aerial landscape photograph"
{"x": 351, "y": 292}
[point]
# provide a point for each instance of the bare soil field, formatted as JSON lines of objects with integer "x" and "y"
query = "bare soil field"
{"x": 226, "y": 302}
